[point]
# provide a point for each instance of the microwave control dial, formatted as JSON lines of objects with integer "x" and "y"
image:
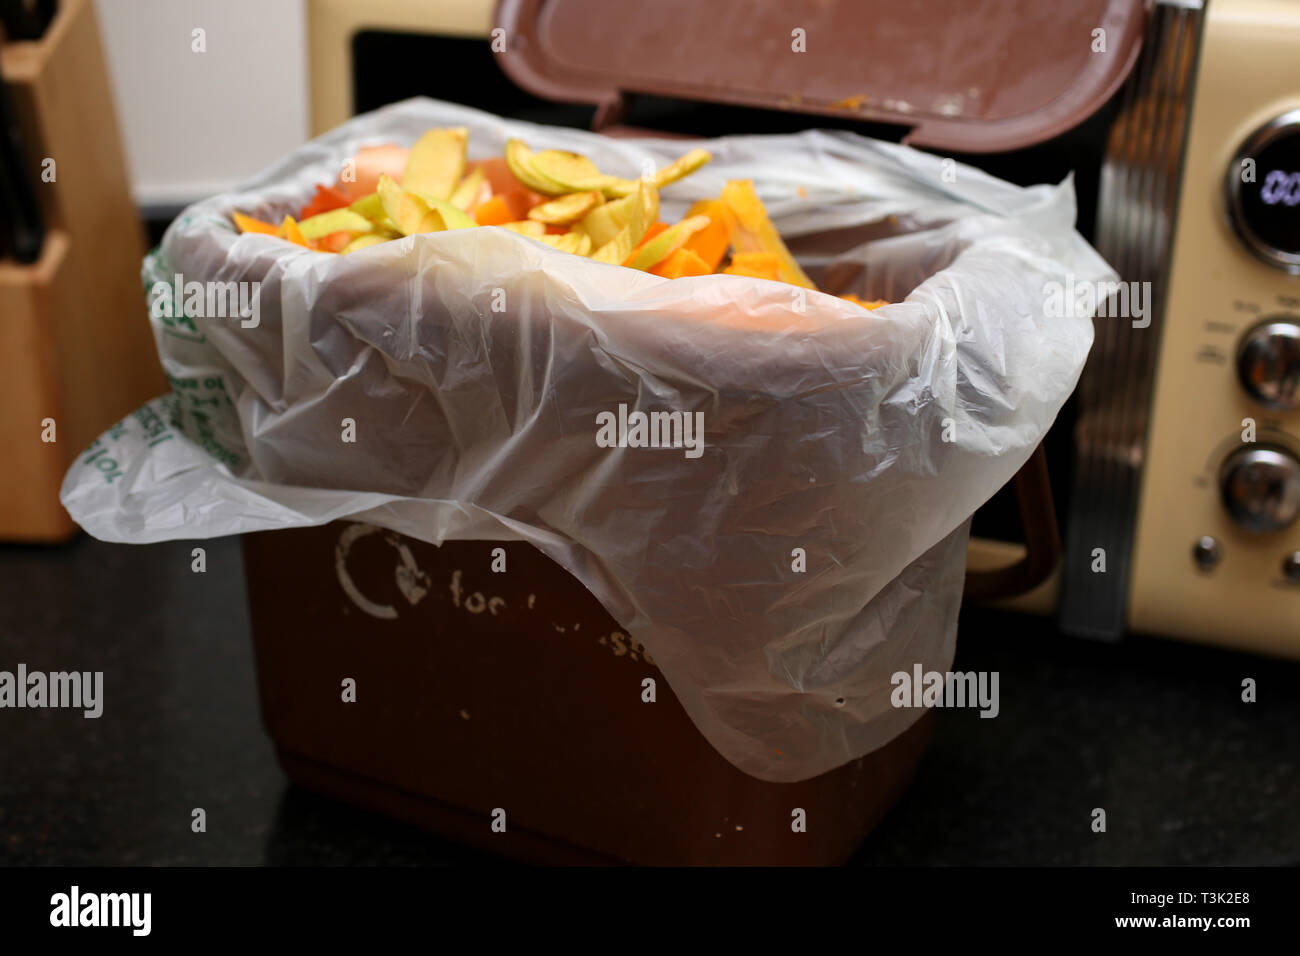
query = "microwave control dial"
{"x": 1268, "y": 363}
{"x": 1260, "y": 486}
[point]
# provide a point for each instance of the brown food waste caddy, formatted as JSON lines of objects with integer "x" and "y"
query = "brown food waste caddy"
{"x": 515, "y": 691}
{"x": 478, "y": 691}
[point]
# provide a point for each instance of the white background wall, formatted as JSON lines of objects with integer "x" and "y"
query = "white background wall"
{"x": 196, "y": 123}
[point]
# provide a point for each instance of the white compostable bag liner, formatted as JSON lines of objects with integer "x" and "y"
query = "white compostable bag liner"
{"x": 474, "y": 364}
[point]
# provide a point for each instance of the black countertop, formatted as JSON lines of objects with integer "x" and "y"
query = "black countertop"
{"x": 1154, "y": 732}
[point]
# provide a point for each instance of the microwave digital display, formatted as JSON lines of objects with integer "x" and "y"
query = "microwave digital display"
{"x": 1281, "y": 187}
{"x": 1264, "y": 193}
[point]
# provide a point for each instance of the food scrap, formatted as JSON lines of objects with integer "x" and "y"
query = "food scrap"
{"x": 865, "y": 303}
{"x": 855, "y": 102}
{"x": 554, "y": 196}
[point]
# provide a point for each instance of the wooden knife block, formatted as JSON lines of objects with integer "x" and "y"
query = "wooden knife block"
{"x": 75, "y": 342}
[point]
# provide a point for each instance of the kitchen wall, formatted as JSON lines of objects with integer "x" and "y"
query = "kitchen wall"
{"x": 194, "y": 123}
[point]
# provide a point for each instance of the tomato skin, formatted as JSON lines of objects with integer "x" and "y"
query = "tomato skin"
{"x": 326, "y": 199}
{"x": 334, "y": 242}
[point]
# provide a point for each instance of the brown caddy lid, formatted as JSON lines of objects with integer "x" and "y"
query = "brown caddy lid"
{"x": 966, "y": 75}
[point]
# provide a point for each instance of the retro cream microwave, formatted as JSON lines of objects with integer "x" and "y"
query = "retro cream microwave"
{"x": 1176, "y": 468}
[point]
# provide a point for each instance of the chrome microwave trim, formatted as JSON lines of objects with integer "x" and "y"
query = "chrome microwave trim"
{"x": 1137, "y": 203}
{"x": 1288, "y": 122}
